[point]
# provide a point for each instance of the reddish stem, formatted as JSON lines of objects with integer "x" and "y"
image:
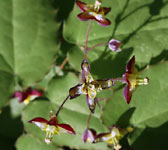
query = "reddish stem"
{"x": 97, "y": 45}
{"x": 88, "y": 121}
{"x": 86, "y": 41}
{"x": 62, "y": 65}
{"x": 62, "y": 105}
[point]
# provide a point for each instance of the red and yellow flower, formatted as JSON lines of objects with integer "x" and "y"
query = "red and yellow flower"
{"x": 27, "y": 95}
{"x": 52, "y": 127}
{"x": 89, "y": 86}
{"x": 94, "y": 12}
{"x": 113, "y": 137}
{"x": 131, "y": 78}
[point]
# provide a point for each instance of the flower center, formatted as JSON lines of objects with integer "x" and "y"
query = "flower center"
{"x": 97, "y": 5}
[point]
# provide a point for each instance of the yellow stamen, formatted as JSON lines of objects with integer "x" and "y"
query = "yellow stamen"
{"x": 97, "y": 5}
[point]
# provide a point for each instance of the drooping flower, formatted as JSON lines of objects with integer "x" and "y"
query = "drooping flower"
{"x": 89, "y": 135}
{"x": 114, "y": 45}
{"x": 113, "y": 137}
{"x": 52, "y": 127}
{"x": 132, "y": 80}
{"x": 27, "y": 95}
{"x": 89, "y": 86}
{"x": 93, "y": 11}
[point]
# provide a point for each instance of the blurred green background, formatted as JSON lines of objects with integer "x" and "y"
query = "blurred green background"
{"x": 37, "y": 35}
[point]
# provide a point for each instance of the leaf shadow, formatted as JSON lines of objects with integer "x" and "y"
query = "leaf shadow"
{"x": 64, "y": 7}
{"x": 105, "y": 60}
{"x": 108, "y": 67}
{"x": 124, "y": 120}
{"x": 150, "y": 136}
{"x": 12, "y": 126}
{"x": 163, "y": 56}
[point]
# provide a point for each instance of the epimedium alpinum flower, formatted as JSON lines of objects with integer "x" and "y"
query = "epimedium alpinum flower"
{"x": 89, "y": 86}
{"x": 94, "y": 12}
{"x": 132, "y": 80}
{"x": 89, "y": 135}
{"x": 28, "y": 95}
{"x": 113, "y": 137}
{"x": 52, "y": 127}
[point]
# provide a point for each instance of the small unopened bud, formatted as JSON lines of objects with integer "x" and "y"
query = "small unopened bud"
{"x": 114, "y": 45}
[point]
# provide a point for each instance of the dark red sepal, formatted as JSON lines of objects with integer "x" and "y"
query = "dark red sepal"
{"x": 106, "y": 10}
{"x": 81, "y": 5}
{"x": 38, "y": 119}
{"x": 131, "y": 65}
{"x": 127, "y": 94}
{"x": 68, "y": 128}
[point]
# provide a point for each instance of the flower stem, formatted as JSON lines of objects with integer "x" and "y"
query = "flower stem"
{"x": 63, "y": 64}
{"x": 88, "y": 121}
{"x": 97, "y": 45}
{"x": 86, "y": 41}
{"x": 118, "y": 79}
{"x": 62, "y": 105}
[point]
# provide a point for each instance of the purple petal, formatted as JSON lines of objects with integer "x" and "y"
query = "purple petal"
{"x": 65, "y": 128}
{"x": 131, "y": 66}
{"x": 84, "y": 16}
{"x": 81, "y": 5}
{"x": 91, "y": 101}
{"x": 75, "y": 91}
{"x": 89, "y": 135}
{"x": 86, "y": 76}
{"x": 127, "y": 94}
{"x": 20, "y": 95}
{"x": 102, "y": 21}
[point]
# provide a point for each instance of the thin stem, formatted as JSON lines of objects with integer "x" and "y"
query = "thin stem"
{"x": 62, "y": 105}
{"x": 88, "y": 121}
{"x": 97, "y": 45}
{"x": 118, "y": 79}
{"x": 63, "y": 64}
{"x": 87, "y": 35}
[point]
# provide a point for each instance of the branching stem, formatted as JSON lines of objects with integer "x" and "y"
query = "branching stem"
{"x": 97, "y": 45}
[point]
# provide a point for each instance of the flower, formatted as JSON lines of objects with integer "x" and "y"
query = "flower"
{"x": 27, "y": 95}
{"x": 89, "y": 135}
{"x": 52, "y": 127}
{"x": 132, "y": 80}
{"x": 89, "y": 86}
{"x": 113, "y": 137}
{"x": 114, "y": 45}
{"x": 96, "y": 12}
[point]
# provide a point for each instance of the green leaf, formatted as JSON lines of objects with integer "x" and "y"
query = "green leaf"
{"x": 28, "y": 42}
{"x": 140, "y": 25}
{"x": 148, "y": 107}
{"x": 28, "y": 142}
{"x": 73, "y": 117}
{"x": 11, "y": 125}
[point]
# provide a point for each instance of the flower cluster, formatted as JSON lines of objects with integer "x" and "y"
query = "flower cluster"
{"x": 90, "y": 87}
